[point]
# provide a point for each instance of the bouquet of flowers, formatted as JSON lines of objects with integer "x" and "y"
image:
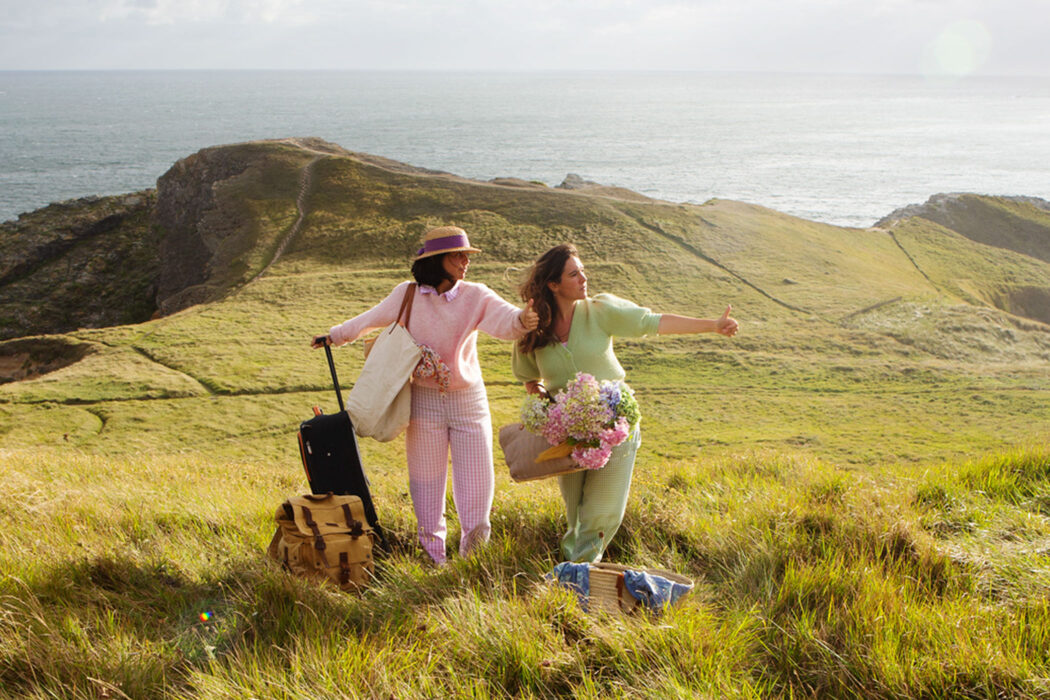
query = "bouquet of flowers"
{"x": 586, "y": 420}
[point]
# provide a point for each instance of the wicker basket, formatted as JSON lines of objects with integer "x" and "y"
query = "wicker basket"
{"x": 608, "y": 593}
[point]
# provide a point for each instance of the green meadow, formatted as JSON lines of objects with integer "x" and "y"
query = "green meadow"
{"x": 858, "y": 483}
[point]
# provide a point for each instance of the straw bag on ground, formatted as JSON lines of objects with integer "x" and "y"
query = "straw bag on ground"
{"x": 619, "y": 589}
{"x": 325, "y": 538}
{"x": 520, "y": 449}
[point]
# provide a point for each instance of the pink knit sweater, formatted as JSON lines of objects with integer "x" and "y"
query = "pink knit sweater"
{"x": 448, "y": 323}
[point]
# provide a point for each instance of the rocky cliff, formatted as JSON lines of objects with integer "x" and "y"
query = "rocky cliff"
{"x": 84, "y": 263}
{"x": 1020, "y": 224}
{"x": 104, "y": 261}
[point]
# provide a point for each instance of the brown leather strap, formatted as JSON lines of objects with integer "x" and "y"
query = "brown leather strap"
{"x": 304, "y": 449}
{"x": 354, "y": 525}
{"x": 624, "y": 597}
{"x": 619, "y": 590}
{"x": 310, "y": 523}
{"x": 411, "y": 298}
{"x": 406, "y": 305}
{"x": 344, "y": 568}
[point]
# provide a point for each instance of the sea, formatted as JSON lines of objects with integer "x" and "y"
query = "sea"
{"x": 839, "y": 149}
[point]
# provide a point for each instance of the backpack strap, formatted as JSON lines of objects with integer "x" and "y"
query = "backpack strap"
{"x": 344, "y": 568}
{"x": 352, "y": 523}
{"x": 319, "y": 543}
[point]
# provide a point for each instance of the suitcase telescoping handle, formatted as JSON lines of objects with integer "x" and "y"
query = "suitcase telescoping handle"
{"x": 335, "y": 378}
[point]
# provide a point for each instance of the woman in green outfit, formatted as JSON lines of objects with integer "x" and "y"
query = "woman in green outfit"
{"x": 575, "y": 334}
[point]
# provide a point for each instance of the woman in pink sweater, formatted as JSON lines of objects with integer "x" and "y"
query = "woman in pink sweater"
{"x": 450, "y": 411}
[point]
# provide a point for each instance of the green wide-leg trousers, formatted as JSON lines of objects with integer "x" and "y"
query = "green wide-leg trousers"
{"x": 595, "y": 500}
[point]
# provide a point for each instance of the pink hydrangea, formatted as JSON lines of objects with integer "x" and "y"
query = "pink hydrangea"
{"x": 554, "y": 430}
{"x": 611, "y": 437}
{"x": 592, "y": 457}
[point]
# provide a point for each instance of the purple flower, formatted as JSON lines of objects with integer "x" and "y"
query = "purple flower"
{"x": 610, "y": 392}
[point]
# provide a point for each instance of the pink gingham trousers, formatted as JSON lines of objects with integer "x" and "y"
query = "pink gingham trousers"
{"x": 458, "y": 421}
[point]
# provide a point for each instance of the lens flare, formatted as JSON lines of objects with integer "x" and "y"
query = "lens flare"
{"x": 962, "y": 48}
{"x": 205, "y": 616}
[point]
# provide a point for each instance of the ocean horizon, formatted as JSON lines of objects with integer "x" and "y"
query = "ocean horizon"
{"x": 838, "y": 149}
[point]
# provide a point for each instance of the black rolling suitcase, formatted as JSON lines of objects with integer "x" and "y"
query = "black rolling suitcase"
{"x": 331, "y": 459}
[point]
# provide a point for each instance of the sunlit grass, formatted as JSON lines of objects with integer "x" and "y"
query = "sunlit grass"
{"x": 811, "y": 580}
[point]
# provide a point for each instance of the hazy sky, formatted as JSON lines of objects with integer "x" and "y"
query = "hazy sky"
{"x": 991, "y": 37}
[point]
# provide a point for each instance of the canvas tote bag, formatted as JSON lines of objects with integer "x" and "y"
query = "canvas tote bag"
{"x": 380, "y": 403}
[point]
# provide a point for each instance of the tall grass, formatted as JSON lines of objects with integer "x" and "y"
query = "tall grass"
{"x": 812, "y": 581}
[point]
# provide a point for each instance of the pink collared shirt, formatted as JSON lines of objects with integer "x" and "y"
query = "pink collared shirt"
{"x": 448, "y": 294}
{"x": 448, "y": 323}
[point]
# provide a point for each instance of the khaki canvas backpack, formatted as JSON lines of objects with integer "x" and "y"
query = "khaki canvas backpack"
{"x": 325, "y": 537}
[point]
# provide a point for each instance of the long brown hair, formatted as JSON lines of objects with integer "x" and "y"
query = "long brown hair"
{"x": 547, "y": 268}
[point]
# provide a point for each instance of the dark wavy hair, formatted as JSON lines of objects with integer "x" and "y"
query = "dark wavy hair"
{"x": 547, "y": 268}
{"x": 431, "y": 271}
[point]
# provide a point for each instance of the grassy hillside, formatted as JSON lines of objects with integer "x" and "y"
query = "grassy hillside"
{"x": 859, "y": 482}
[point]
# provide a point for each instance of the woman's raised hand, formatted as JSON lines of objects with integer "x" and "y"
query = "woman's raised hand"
{"x": 726, "y": 325}
{"x": 529, "y": 318}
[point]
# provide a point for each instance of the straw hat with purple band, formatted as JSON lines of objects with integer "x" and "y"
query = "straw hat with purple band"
{"x": 444, "y": 239}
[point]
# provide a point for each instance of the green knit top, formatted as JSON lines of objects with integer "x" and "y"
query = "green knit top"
{"x": 589, "y": 349}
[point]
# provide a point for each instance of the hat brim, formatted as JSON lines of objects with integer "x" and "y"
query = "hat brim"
{"x": 465, "y": 249}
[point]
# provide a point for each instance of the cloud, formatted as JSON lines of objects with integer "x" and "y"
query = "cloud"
{"x": 887, "y": 36}
{"x": 243, "y": 12}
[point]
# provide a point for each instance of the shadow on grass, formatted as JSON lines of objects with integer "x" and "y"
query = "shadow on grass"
{"x": 125, "y": 626}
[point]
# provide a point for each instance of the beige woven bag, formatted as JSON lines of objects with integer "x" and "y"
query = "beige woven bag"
{"x": 608, "y": 593}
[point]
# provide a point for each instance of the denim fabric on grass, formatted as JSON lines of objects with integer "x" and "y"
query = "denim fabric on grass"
{"x": 653, "y": 591}
{"x": 575, "y": 577}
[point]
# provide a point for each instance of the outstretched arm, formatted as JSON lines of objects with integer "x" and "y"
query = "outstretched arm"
{"x": 380, "y": 315}
{"x": 501, "y": 319}
{"x": 671, "y": 324}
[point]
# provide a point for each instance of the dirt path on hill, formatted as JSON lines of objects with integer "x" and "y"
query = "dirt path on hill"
{"x": 904, "y": 250}
{"x": 306, "y": 181}
{"x": 655, "y": 228}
